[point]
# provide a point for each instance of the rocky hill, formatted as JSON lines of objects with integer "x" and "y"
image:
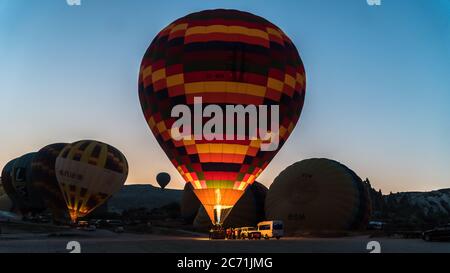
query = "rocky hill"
{"x": 415, "y": 208}
{"x": 412, "y": 208}
{"x": 427, "y": 203}
{"x": 142, "y": 196}
{"x": 404, "y": 208}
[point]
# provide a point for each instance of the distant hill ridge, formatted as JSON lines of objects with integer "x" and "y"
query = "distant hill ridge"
{"x": 412, "y": 208}
{"x": 143, "y": 196}
{"x": 424, "y": 203}
{"x": 417, "y": 206}
{"x": 432, "y": 202}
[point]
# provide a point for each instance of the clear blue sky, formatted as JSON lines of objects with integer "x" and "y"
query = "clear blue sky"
{"x": 378, "y": 82}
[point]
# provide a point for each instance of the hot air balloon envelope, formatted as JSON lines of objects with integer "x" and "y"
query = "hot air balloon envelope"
{"x": 163, "y": 179}
{"x": 45, "y": 182}
{"x": 7, "y": 176}
{"x": 18, "y": 182}
{"x": 89, "y": 172}
{"x": 226, "y": 58}
{"x": 318, "y": 195}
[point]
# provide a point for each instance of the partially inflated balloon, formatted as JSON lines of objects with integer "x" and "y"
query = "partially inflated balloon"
{"x": 6, "y": 203}
{"x": 163, "y": 179}
{"x": 224, "y": 57}
{"x": 318, "y": 194}
{"x": 19, "y": 184}
{"x": 189, "y": 204}
{"x": 89, "y": 172}
{"x": 7, "y": 177}
{"x": 45, "y": 181}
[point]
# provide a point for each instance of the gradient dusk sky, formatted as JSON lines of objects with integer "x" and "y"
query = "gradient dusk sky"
{"x": 378, "y": 82}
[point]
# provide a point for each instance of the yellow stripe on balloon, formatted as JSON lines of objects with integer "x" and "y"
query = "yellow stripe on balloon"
{"x": 242, "y": 186}
{"x": 202, "y": 148}
{"x": 222, "y": 86}
{"x": 151, "y": 122}
{"x": 87, "y": 154}
{"x": 77, "y": 197}
{"x": 289, "y": 80}
{"x": 74, "y": 149}
{"x": 252, "y": 32}
{"x": 215, "y": 148}
{"x": 197, "y": 184}
{"x": 175, "y": 80}
{"x": 222, "y": 148}
{"x": 66, "y": 190}
{"x": 258, "y": 173}
{"x": 291, "y": 127}
{"x": 282, "y": 131}
{"x": 275, "y": 84}
{"x": 158, "y": 75}
{"x": 180, "y": 170}
{"x": 161, "y": 126}
{"x": 300, "y": 79}
{"x": 68, "y": 147}
{"x": 179, "y": 27}
{"x": 168, "y": 28}
{"x": 103, "y": 156}
{"x": 187, "y": 142}
{"x": 147, "y": 72}
{"x": 228, "y": 149}
{"x": 241, "y": 149}
{"x": 189, "y": 177}
{"x": 255, "y": 143}
{"x": 274, "y": 32}
{"x": 251, "y": 179}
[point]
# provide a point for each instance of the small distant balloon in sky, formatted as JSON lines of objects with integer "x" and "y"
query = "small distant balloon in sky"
{"x": 163, "y": 179}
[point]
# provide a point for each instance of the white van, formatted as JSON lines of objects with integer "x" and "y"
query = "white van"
{"x": 271, "y": 229}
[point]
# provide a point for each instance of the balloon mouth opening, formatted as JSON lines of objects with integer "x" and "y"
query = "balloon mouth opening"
{"x": 218, "y": 202}
{"x": 220, "y": 213}
{"x": 73, "y": 216}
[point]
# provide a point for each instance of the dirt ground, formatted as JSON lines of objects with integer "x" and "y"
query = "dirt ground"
{"x": 103, "y": 241}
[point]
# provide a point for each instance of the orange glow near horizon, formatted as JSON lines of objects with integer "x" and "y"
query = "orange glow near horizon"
{"x": 143, "y": 167}
{"x": 384, "y": 115}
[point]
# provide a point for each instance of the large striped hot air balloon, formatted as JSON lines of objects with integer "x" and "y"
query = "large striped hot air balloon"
{"x": 89, "y": 172}
{"x": 223, "y": 57}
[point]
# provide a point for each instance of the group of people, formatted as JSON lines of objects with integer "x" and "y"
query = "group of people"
{"x": 233, "y": 233}
{"x": 229, "y": 233}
